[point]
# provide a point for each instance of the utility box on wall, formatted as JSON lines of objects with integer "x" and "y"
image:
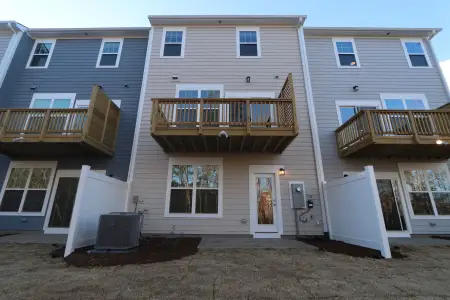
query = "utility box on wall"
{"x": 297, "y": 194}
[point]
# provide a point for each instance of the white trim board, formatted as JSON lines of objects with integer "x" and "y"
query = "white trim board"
{"x": 119, "y": 53}
{"x": 163, "y": 41}
{"x": 9, "y": 54}
{"x": 140, "y": 112}
{"x": 47, "y": 62}
{"x": 314, "y": 128}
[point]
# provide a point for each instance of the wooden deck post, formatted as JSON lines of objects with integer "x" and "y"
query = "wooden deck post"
{"x": 292, "y": 92}
{"x": 370, "y": 122}
{"x": 415, "y": 132}
{"x": 5, "y": 124}
{"x": 106, "y": 122}
{"x": 155, "y": 114}
{"x": 87, "y": 123}
{"x": 248, "y": 116}
{"x": 200, "y": 126}
{"x": 45, "y": 125}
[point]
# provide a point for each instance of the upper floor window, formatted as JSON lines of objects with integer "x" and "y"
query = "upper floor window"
{"x": 173, "y": 42}
{"x": 347, "y": 109}
{"x": 402, "y": 101}
{"x": 416, "y": 54}
{"x": 41, "y": 54}
{"x": 345, "y": 51}
{"x": 248, "y": 42}
{"x": 109, "y": 55}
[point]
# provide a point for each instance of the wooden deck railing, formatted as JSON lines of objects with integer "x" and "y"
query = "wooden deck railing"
{"x": 182, "y": 113}
{"x": 389, "y": 126}
{"x": 96, "y": 125}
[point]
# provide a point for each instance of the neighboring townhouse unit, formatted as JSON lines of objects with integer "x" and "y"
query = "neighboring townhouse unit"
{"x": 224, "y": 138}
{"x": 70, "y": 98}
{"x": 377, "y": 94}
{"x": 10, "y": 34}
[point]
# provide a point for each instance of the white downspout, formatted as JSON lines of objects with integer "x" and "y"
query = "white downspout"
{"x": 314, "y": 129}
{"x": 137, "y": 128}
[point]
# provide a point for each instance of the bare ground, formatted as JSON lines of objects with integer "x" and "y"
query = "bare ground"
{"x": 28, "y": 272}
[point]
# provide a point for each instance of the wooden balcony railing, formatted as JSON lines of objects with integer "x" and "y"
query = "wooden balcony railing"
{"x": 397, "y": 130}
{"x": 95, "y": 126}
{"x": 237, "y": 117}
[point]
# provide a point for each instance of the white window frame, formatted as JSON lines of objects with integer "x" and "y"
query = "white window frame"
{"x": 53, "y": 41}
{"x": 119, "y": 54}
{"x": 355, "y": 52}
{"x": 163, "y": 41}
{"x": 238, "y": 42}
{"x": 340, "y": 103}
{"x": 421, "y": 166}
{"x": 218, "y": 161}
{"x": 85, "y": 103}
{"x": 31, "y": 165}
{"x": 405, "y": 51}
{"x": 199, "y": 88}
{"x": 54, "y": 96}
{"x": 403, "y": 97}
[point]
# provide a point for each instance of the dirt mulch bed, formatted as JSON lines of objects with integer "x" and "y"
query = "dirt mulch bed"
{"x": 348, "y": 249}
{"x": 441, "y": 237}
{"x": 154, "y": 249}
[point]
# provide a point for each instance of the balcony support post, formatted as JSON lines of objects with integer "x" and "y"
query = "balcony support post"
{"x": 414, "y": 127}
{"x": 248, "y": 116}
{"x": 200, "y": 126}
{"x": 5, "y": 124}
{"x": 45, "y": 125}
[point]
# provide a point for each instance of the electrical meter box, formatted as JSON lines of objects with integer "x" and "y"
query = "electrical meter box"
{"x": 298, "y": 194}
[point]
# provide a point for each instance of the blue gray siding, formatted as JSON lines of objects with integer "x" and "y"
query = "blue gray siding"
{"x": 5, "y": 37}
{"x": 384, "y": 69}
{"x": 72, "y": 70}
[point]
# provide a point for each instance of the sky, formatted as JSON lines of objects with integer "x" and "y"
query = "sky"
{"x": 328, "y": 13}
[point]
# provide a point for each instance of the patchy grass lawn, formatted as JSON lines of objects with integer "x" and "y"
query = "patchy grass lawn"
{"x": 28, "y": 272}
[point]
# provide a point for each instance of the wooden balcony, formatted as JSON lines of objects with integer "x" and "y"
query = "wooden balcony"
{"x": 30, "y": 133}
{"x": 396, "y": 133}
{"x": 225, "y": 124}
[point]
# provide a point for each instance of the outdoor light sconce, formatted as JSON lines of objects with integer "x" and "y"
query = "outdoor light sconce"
{"x": 248, "y": 79}
{"x": 355, "y": 88}
{"x": 281, "y": 172}
{"x": 441, "y": 142}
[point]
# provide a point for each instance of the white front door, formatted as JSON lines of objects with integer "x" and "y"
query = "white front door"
{"x": 62, "y": 201}
{"x": 395, "y": 214}
{"x": 265, "y": 202}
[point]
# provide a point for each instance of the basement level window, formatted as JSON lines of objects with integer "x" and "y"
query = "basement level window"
{"x": 41, "y": 54}
{"x": 109, "y": 55}
{"x": 345, "y": 52}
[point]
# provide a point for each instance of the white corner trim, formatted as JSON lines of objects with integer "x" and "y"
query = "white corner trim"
{"x": 53, "y": 41}
{"x": 140, "y": 112}
{"x": 9, "y": 54}
{"x": 100, "y": 52}
{"x": 314, "y": 129}
{"x": 163, "y": 39}
{"x": 403, "y": 41}
{"x": 441, "y": 73}
{"x": 355, "y": 52}
{"x": 238, "y": 42}
{"x": 194, "y": 161}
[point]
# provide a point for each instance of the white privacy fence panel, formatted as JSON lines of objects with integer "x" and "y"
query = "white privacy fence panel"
{"x": 97, "y": 194}
{"x": 354, "y": 211}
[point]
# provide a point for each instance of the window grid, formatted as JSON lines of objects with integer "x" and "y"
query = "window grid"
{"x": 109, "y": 54}
{"x": 345, "y": 52}
{"x": 41, "y": 54}
{"x": 416, "y": 54}
{"x": 248, "y": 42}
{"x": 173, "y": 42}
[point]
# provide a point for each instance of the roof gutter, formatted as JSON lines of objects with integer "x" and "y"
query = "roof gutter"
{"x": 10, "y": 27}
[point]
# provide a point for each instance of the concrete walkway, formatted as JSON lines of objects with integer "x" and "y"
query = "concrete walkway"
{"x": 418, "y": 241}
{"x": 249, "y": 242}
{"x": 32, "y": 237}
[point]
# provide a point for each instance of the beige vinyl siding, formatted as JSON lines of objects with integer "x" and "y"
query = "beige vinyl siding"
{"x": 384, "y": 69}
{"x": 5, "y": 37}
{"x": 210, "y": 58}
